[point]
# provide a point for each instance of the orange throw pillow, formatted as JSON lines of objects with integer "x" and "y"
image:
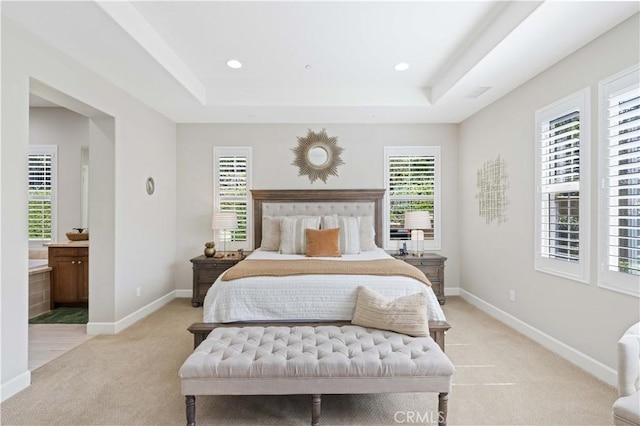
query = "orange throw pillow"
{"x": 323, "y": 242}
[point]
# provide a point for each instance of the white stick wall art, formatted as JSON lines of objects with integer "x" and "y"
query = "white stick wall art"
{"x": 492, "y": 186}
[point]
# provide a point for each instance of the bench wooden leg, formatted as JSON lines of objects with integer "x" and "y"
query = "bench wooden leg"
{"x": 315, "y": 409}
{"x": 190, "y": 401}
{"x": 443, "y": 401}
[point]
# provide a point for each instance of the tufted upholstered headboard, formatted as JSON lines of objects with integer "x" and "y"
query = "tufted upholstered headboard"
{"x": 292, "y": 202}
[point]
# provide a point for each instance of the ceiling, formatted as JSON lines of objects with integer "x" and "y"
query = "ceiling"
{"x": 318, "y": 62}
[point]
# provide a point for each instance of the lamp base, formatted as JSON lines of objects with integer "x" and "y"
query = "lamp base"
{"x": 417, "y": 238}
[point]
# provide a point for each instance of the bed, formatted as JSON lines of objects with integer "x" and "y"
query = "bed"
{"x": 314, "y": 298}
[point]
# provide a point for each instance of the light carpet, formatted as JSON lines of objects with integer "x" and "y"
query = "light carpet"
{"x": 501, "y": 378}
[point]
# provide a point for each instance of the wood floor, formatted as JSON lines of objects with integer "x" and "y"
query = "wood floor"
{"x": 48, "y": 341}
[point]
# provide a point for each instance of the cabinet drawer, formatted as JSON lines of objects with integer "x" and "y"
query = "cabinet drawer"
{"x": 431, "y": 273}
{"x": 209, "y": 275}
{"x": 64, "y": 252}
{"x": 203, "y": 288}
{"x": 425, "y": 263}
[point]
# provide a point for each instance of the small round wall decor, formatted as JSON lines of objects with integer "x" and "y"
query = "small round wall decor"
{"x": 151, "y": 186}
{"x": 317, "y": 156}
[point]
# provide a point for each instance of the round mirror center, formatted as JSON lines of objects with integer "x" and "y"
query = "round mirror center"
{"x": 318, "y": 156}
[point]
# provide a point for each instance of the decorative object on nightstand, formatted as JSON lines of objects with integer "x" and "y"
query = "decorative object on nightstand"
{"x": 205, "y": 272}
{"x": 417, "y": 221}
{"x": 209, "y": 249}
{"x": 433, "y": 267}
{"x": 224, "y": 222}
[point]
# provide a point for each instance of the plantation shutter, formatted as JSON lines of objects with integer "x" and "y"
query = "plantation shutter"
{"x": 233, "y": 191}
{"x": 40, "y": 196}
{"x": 411, "y": 186}
{"x": 560, "y": 187}
{"x": 622, "y": 182}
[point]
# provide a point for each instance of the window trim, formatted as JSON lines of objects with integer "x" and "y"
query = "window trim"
{"x": 238, "y": 151}
{"x": 435, "y": 151}
{"x": 611, "y": 280}
{"x": 579, "y": 271}
{"x": 37, "y": 243}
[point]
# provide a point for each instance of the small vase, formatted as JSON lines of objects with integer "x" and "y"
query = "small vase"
{"x": 210, "y": 249}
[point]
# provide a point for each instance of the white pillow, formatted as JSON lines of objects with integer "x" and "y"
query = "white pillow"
{"x": 271, "y": 233}
{"x": 367, "y": 233}
{"x": 292, "y": 233}
{"x": 349, "y": 232}
{"x": 406, "y": 314}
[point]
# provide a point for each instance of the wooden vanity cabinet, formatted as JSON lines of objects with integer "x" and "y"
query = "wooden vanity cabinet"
{"x": 69, "y": 276}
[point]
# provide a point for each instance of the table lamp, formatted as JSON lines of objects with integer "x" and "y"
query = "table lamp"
{"x": 417, "y": 221}
{"x": 224, "y": 221}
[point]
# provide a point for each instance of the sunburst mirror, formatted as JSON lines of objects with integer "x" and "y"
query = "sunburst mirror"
{"x": 317, "y": 156}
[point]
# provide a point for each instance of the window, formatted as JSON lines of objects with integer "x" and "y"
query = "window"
{"x": 562, "y": 179}
{"x": 619, "y": 242}
{"x": 412, "y": 182}
{"x": 232, "y": 184}
{"x": 41, "y": 193}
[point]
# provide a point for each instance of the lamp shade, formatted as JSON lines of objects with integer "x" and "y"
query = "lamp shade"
{"x": 417, "y": 219}
{"x": 224, "y": 220}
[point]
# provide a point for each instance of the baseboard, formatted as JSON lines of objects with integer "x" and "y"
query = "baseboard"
{"x": 184, "y": 293}
{"x": 452, "y": 291}
{"x": 118, "y": 326}
{"x": 15, "y": 385}
{"x": 590, "y": 365}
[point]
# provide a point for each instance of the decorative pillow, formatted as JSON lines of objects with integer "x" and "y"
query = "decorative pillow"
{"x": 323, "y": 242}
{"x": 367, "y": 233}
{"x": 271, "y": 233}
{"x": 406, "y": 314}
{"x": 292, "y": 233}
{"x": 349, "y": 232}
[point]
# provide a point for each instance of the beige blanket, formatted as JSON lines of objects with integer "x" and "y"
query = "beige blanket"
{"x": 280, "y": 268}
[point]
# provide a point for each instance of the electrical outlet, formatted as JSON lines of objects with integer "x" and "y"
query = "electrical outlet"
{"x": 512, "y": 295}
{"x": 138, "y": 291}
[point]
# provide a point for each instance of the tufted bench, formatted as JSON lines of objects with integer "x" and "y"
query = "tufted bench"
{"x": 277, "y": 360}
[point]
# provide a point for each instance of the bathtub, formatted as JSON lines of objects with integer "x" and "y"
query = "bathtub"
{"x": 37, "y": 263}
{"x": 39, "y": 287}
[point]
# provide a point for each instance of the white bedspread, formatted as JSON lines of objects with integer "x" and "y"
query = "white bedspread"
{"x": 306, "y": 297}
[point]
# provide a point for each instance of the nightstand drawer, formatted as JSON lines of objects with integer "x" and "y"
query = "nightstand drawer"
{"x": 209, "y": 275}
{"x": 430, "y": 271}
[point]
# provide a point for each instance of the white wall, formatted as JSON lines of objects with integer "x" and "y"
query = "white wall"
{"x": 137, "y": 232}
{"x": 69, "y": 131}
{"x": 272, "y": 169}
{"x": 497, "y": 258}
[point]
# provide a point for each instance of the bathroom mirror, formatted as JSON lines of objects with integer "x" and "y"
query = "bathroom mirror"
{"x": 317, "y": 156}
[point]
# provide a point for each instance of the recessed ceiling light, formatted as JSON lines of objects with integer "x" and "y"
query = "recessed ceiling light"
{"x": 401, "y": 66}
{"x": 234, "y": 63}
{"x": 307, "y": 67}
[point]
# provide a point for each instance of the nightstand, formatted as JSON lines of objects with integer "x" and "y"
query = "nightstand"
{"x": 205, "y": 272}
{"x": 433, "y": 267}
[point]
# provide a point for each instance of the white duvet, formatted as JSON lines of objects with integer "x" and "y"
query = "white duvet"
{"x": 305, "y": 297}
